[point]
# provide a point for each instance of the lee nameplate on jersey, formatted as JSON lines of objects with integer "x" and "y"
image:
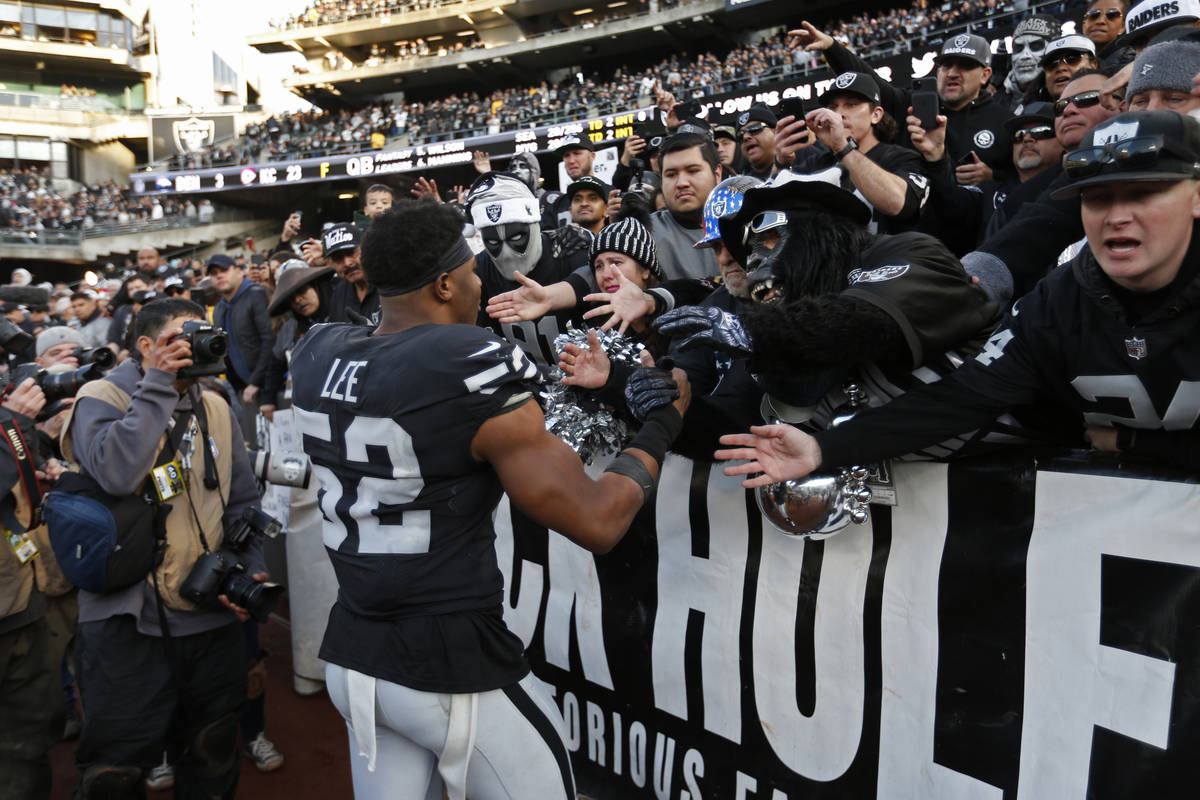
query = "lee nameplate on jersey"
{"x": 882, "y": 485}
{"x": 168, "y": 480}
{"x": 22, "y": 545}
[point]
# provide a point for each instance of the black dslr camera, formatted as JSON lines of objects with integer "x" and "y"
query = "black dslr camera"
{"x": 56, "y": 385}
{"x": 102, "y": 356}
{"x": 13, "y": 339}
{"x": 209, "y": 346}
{"x": 221, "y": 572}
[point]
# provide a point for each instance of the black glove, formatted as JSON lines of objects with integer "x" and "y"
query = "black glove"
{"x": 696, "y": 326}
{"x": 649, "y": 388}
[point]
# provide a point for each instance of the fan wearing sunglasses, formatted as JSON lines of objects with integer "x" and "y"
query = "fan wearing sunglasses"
{"x": 1109, "y": 339}
{"x": 1063, "y": 58}
{"x": 1103, "y": 22}
{"x": 963, "y": 217}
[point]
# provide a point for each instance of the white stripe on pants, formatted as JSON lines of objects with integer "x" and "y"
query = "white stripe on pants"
{"x": 518, "y": 752}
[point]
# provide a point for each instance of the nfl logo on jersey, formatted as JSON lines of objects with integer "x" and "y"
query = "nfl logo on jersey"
{"x": 1135, "y": 346}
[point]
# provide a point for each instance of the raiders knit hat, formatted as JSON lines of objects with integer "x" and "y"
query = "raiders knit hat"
{"x": 1151, "y": 16}
{"x": 859, "y": 84}
{"x": 1135, "y": 147}
{"x": 630, "y": 237}
{"x": 497, "y": 198}
{"x": 52, "y": 337}
{"x": 1073, "y": 43}
{"x": 340, "y": 237}
{"x": 1168, "y": 66}
{"x": 969, "y": 46}
{"x": 1041, "y": 25}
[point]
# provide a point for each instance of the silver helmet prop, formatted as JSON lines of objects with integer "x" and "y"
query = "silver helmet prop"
{"x": 505, "y": 212}
{"x": 824, "y": 503}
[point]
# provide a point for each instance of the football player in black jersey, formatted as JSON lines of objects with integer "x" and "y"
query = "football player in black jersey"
{"x": 1110, "y": 336}
{"x": 415, "y": 429}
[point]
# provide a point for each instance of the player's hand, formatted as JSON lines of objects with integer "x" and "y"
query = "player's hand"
{"x": 931, "y": 144}
{"x": 633, "y": 146}
{"x": 530, "y": 301}
{"x": 585, "y": 367}
{"x": 791, "y": 136}
{"x": 167, "y": 355}
{"x": 650, "y": 388}
{"x": 27, "y": 399}
{"x": 808, "y": 37}
{"x": 778, "y": 452}
{"x": 627, "y": 304}
{"x": 481, "y": 161}
{"x": 1103, "y": 439}
{"x": 243, "y": 614}
{"x": 425, "y": 189}
{"x": 706, "y": 326}
{"x": 829, "y": 128}
{"x": 974, "y": 173}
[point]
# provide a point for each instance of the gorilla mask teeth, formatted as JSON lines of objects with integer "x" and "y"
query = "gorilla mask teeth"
{"x": 766, "y": 292}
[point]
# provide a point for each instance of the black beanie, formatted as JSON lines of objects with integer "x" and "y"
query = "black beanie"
{"x": 629, "y": 237}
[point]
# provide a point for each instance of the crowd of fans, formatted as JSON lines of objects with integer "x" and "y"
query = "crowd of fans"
{"x": 29, "y": 202}
{"x": 879, "y": 253}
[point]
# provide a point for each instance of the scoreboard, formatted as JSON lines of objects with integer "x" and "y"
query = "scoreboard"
{"x": 383, "y": 162}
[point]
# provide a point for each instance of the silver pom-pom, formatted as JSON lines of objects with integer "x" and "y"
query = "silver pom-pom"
{"x": 589, "y": 427}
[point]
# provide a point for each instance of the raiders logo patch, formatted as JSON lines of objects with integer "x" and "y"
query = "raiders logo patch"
{"x": 877, "y": 275}
{"x": 743, "y": 118}
{"x": 844, "y": 80}
{"x": 718, "y": 207}
{"x": 961, "y": 40}
{"x": 493, "y": 211}
{"x": 984, "y": 139}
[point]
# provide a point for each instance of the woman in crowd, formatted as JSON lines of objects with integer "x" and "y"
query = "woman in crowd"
{"x": 305, "y": 292}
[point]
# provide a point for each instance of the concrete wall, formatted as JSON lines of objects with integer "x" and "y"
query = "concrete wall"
{"x": 111, "y": 161}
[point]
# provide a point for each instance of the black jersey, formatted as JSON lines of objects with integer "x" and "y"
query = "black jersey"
{"x": 388, "y": 422}
{"x": 563, "y": 251}
{"x": 1070, "y": 344}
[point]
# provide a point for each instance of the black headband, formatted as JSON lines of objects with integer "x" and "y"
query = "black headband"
{"x": 459, "y": 253}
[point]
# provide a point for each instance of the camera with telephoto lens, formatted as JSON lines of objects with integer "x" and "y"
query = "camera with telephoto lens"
{"x": 95, "y": 355}
{"x": 221, "y": 571}
{"x": 282, "y": 469}
{"x": 56, "y": 385}
{"x": 209, "y": 346}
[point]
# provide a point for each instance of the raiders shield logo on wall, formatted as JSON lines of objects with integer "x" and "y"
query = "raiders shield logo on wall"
{"x": 193, "y": 134}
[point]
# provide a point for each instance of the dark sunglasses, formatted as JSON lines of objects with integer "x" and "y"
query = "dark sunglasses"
{"x": 753, "y": 130}
{"x": 1040, "y": 132}
{"x": 1070, "y": 59}
{"x": 1140, "y": 152}
{"x": 1082, "y": 100}
{"x": 1109, "y": 14}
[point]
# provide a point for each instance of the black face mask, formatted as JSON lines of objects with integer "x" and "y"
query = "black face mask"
{"x": 514, "y": 234}
{"x": 514, "y": 246}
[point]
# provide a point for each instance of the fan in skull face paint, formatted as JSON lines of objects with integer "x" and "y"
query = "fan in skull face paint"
{"x": 1029, "y": 42}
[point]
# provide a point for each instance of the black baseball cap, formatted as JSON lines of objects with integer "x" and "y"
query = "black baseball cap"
{"x": 340, "y": 237}
{"x": 756, "y": 113}
{"x": 969, "y": 46}
{"x": 1038, "y": 111}
{"x": 1135, "y": 147}
{"x": 575, "y": 143}
{"x": 588, "y": 182}
{"x": 220, "y": 262}
{"x": 859, "y": 84}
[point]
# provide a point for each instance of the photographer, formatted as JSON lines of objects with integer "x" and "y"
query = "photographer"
{"x": 30, "y": 685}
{"x": 184, "y": 693}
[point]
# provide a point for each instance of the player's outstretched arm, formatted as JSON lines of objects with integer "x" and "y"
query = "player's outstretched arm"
{"x": 531, "y": 301}
{"x": 545, "y": 479}
{"x": 771, "y": 453}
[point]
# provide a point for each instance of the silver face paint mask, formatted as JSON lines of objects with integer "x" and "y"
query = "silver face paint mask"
{"x": 515, "y": 247}
{"x": 1028, "y": 50}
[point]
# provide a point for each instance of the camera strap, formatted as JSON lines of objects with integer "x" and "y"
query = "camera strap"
{"x": 26, "y": 475}
{"x": 211, "y": 480}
